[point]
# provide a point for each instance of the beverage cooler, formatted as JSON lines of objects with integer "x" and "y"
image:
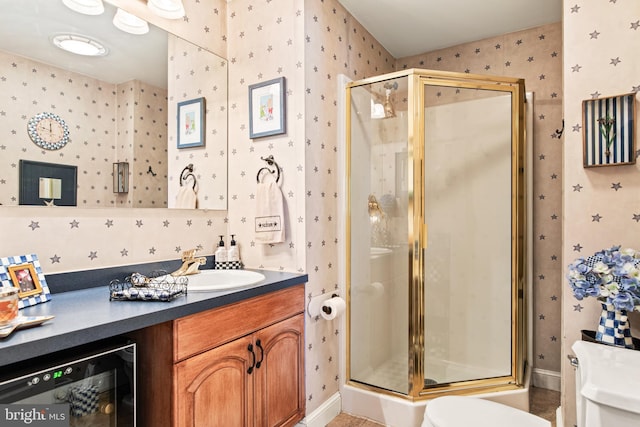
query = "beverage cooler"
{"x": 84, "y": 386}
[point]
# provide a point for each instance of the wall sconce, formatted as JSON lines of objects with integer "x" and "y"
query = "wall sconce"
{"x": 121, "y": 177}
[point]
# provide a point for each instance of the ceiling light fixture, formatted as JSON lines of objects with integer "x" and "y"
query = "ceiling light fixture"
{"x": 170, "y": 9}
{"x": 130, "y": 23}
{"x": 80, "y": 45}
{"x": 87, "y": 7}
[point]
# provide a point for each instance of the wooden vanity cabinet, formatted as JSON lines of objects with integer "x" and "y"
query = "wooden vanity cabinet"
{"x": 236, "y": 365}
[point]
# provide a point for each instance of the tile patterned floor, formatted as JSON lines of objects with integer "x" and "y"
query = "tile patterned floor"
{"x": 543, "y": 403}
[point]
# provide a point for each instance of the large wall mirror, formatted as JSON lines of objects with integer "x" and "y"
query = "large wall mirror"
{"x": 91, "y": 112}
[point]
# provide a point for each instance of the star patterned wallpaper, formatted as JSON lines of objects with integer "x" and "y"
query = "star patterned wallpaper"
{"x": 195, "y": 73}
{"x": 142, "y": 141}
{"x": 102, "y": 118}
{"x": 601, "y": 205}
{"x": 310, "y": 44}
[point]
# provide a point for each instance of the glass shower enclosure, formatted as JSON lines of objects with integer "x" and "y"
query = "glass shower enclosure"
{"x": 435, "y": 233}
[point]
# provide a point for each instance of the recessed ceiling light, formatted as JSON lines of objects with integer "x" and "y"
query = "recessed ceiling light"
{"x": 87, "y": 7}
{"x": 80, "y": 45}
{"x": 170, "y": 9}
{"x": 130, "y": 23}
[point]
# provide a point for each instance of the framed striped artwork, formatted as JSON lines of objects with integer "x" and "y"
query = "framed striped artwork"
{"x": 609, "y": 131}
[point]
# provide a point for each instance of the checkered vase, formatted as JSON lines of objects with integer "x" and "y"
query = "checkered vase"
{"x": 84, "y": 400}
{"x": 614, "y": 327}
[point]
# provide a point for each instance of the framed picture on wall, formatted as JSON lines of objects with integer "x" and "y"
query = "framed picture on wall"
{"x": 609, "y": 134}
{"x": 49, "y": 184}
{"x": 191, "y": 124}
{"x": 267, "y": 108}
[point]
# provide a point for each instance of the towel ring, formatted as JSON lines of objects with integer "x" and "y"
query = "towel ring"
{"x": 271, "y": 162}
{"x": 184, "y": 178}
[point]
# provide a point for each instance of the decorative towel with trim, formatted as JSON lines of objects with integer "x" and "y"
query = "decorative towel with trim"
{"x": 269, "y": 211}
{"x": 186, "y": 198}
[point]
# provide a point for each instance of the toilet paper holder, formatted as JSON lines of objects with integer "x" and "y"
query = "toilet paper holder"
{"x": 316, "y": 304}
{"x": 326, "y": 309}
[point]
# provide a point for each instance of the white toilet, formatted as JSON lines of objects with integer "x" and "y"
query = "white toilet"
{"x": 607, "y": 385}
{"x": 464, "y": 411}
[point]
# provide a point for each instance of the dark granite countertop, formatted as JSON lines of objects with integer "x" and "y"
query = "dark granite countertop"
{"x": 86, "y": 315}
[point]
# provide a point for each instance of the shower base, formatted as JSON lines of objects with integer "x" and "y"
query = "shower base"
{"x": 392, "y": 374}
{"x": 394, "y": 411}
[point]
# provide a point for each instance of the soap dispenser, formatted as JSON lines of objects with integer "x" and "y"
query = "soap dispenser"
{"x": 234, "y": 251}
{"x": 221, "y": 252}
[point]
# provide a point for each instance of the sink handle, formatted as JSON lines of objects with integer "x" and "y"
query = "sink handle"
{"x": 253, "y": 357}
{"x": 259, "y": 345}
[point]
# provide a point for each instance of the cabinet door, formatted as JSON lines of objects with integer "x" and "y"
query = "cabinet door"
{"x": 212, "y": 389}
{"x": 279, "y": 377}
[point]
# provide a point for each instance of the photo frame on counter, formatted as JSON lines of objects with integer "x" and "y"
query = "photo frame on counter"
{"x": 191, "y": 123}
{"x": 267, "y": 109}
{"x": 25, "y": 273}
{"x": 609, "y": 134}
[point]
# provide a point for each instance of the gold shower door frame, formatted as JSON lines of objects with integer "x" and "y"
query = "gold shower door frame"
{"x": 418, "y": 80}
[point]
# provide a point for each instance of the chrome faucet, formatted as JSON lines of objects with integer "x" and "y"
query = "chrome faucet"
{"x": 190, "y": 263}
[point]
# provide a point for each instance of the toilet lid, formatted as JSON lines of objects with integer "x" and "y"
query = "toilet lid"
{"x": 461, "y": 411}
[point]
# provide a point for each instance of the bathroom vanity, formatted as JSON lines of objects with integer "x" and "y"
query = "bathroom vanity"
{"x": 209, "y": 358}
{"x": 240, "y": 364}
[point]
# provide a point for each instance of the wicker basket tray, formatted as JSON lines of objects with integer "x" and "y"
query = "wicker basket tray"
{"x": 159, "y": 286}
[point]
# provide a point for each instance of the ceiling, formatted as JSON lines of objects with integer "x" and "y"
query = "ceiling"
{"x": 26, "y": 28}
{"x": 410, "y": 27}
{"x": 403, "y": 27}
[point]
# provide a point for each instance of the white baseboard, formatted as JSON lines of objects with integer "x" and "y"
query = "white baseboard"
{"x": 559, "y": 419}
{"x": 546, "y": 379}
{"x": 324, "y": 414}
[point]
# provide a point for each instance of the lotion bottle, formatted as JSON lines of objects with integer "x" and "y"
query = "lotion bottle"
{"x": 221, "y": 252}
{"x": 234, "y": 251}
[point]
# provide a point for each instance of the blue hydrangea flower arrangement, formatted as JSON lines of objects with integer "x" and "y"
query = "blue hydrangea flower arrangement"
{"x": 610, "y": 275}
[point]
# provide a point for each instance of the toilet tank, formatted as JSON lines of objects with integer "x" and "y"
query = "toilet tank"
{"x": 607, "y": 385}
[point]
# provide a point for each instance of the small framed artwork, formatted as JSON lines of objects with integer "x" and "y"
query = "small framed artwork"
{"x": 609, "y": 133}
{"x": 24, "y": 278}
{"x": 25, "y": 273}
{"x": 191, "y": 124}
{"x": 267, "y": 108}
{"x": 47, "y": 184}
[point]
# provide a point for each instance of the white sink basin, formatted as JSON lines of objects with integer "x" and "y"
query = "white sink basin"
{"x": 218, "y": 280}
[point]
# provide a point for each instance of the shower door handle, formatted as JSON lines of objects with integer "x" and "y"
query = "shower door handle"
{"x": 423, "y": 232}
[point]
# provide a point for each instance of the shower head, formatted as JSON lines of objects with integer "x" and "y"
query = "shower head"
{"x": 389, "y": 86}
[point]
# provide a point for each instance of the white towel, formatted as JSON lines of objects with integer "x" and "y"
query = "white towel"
{"x": 269, "y": 211}
{"x": 186, "y": 198}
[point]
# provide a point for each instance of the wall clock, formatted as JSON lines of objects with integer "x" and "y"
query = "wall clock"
{"x": 48, "y": 131}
